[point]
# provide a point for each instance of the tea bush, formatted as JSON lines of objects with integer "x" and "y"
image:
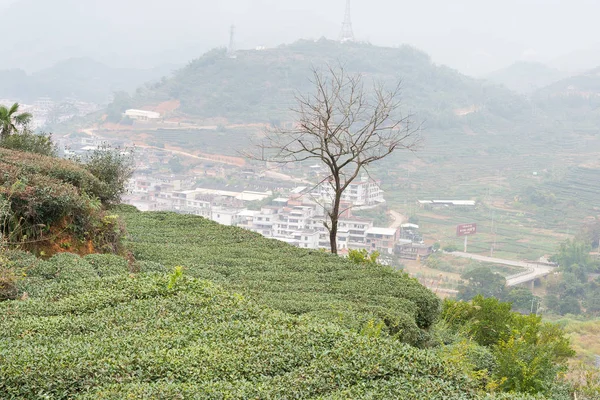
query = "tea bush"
{"x": 284, "y": 277}
{"x": 148, "y": 336}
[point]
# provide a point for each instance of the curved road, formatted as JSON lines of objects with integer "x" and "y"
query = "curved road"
{"x": 398, "y": 219}
{"x": 532, "y": 272}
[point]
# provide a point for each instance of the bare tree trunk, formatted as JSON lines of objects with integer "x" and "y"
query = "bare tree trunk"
{"x": 344, "y": 128}
{"x": 333, "y": 234}
{"x": 334, "y": 215}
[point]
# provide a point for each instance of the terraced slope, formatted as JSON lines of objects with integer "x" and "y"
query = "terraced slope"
{"x": 89, "y": 329}
{"x": 286, "y": 278}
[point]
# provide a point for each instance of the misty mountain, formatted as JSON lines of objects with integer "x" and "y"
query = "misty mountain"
{"x": 574, "y": 101}
{"x": 526, "y": 77}
{"x": 80, "y": 78}
{"x": 477, "y": 37}
{"x": 578, "y": 61}
{"x": 260, "y": 84}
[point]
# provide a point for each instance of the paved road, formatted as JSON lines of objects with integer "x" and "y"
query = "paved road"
{"x": 532, "y": 270}
{"x": 398, "y": 219}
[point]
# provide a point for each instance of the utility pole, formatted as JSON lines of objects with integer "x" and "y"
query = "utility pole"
{"x": 493, "y": 233}
{"x": 347, "y": 34}
{"x": 231, "y": 48}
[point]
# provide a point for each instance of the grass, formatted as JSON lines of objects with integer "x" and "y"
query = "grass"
{"x": 584, "y": 336}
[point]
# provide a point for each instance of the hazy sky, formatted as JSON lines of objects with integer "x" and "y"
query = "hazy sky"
{"x": 474, "y": 36}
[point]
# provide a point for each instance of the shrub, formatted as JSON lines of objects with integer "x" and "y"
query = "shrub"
{"x": 46, "y": 201}
{"x": 30, "y": 143}
{"x": 362, "y": 257}
{"x": 113, "y": 167}
{"x": 450, "y": 248}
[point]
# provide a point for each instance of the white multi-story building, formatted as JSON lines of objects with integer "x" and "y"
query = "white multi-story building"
{"x": 364, "y": 192}
{"x": 264, "y": 221}
{"x": 292, "y": 219}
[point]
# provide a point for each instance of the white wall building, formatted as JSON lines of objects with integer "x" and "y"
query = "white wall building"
{"x": 141, "y": 115}
{"x": 225, "y": 216}
{"x": 363, "y": 192}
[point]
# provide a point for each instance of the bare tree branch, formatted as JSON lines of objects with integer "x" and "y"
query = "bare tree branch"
{"x": 344, "y": 127}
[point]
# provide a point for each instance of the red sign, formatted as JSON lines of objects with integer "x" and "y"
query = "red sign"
{"x": 466, "y": 229}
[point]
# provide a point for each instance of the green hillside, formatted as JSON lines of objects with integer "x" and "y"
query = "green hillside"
{"x": 87, "y": 328}
{"x": 210, "y": 311}
{"x": 573, "y": 102}
{"x": 284, "y": 277}
{"x": 260, "y": 84}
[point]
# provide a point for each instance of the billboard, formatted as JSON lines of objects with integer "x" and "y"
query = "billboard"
{"x": 466, "y": 229}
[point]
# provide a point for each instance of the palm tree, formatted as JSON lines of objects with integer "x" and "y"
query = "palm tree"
{"x": 11, "y": 120}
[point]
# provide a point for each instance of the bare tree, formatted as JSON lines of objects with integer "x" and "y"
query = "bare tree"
{"x": 344, "y": 127}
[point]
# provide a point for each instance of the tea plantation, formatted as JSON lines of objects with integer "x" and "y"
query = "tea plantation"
{"x": 286, "y": 278}
{"x": 88, "y": 328}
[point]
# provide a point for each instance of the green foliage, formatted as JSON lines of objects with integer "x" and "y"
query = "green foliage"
{"x": 362, "y": 257}
{"x": 450, "y": 248}
{"x": 260, "y": 84}
{"x": 30, "y": 142}
{"x": 175, "y": 276}
{"x": 290, "y": 279}
{"x": 486, "y": 320}
{"x": 121, "y": 102}
{"x": 539, "y": 197}
{"x": 528, "y": 354}
{"x": 573, "y": 292}
{"x": 482, "y": 281}
{"x": 523, "y": 300}
{"x": 11, "y": 120}
{"x": 436, "y": 262}
{"x": 113, "y": 167}
{"x": 571, "y": 253}
{"x": 524, "y": 367}
{"x": 44, "y": 197}
{"x": 85, "y": 334}
{"x": 175, "y": 165}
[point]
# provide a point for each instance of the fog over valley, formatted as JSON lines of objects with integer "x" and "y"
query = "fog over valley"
{"x": 473, "y": 36}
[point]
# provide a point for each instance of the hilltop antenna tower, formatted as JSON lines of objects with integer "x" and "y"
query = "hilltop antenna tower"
{"x": 347, "y": 35}
{"x": 231, "y": 48}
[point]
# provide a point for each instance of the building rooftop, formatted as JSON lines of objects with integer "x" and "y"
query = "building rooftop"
{"x": 381, "y": 231}
{"x": 298, "y": 189}
{"x": 451, "y": 202}
{"x": 248, "y": 213}
{"x": 412, "y": 226}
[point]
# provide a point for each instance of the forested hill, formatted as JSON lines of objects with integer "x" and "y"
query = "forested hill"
{"x": 574, "y": 101}
{"x": 526, "y": 77}
{"x": 260, "y": 84}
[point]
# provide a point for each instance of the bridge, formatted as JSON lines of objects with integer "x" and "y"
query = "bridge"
{"x": 532, "y": 270}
